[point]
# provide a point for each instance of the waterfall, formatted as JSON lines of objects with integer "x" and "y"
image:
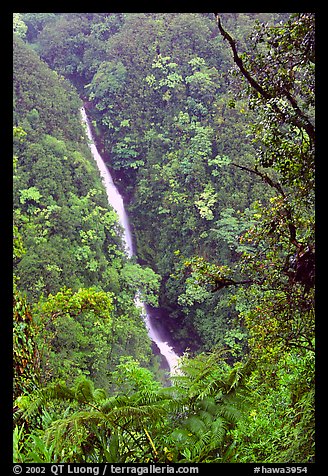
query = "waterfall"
{"x": 116, "y": 201}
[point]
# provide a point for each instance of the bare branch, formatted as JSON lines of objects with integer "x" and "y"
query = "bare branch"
{"x": 300, "y": 120}
{"x": 264, "y": 177}
{"x": 278, "y": 187}
{"x": 239, "y": 61}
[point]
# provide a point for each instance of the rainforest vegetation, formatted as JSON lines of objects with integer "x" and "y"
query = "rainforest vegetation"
{"x": 206, "y": 122}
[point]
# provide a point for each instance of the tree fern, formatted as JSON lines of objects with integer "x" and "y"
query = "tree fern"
{"x": 136, "y": 425}
{"x": 88, "y": 432}
{"x": 70, "y": 435}
{"x": 208, "y": 374}
{"x": 212, "y": 396}
{"x": 29, "y": 405}
{"x": 202, "y": 434}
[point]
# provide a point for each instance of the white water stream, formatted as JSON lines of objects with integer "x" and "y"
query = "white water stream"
{"x": 116, "y": 201}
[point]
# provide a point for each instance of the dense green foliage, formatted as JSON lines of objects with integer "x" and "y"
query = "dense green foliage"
{"x": 207, "y": 124}
{"x": 67, "y": 238}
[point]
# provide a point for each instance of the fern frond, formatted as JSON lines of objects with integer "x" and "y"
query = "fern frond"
{"x": 84, "y": 390}
{"x": 195, "y": 424}
{"x": 230, "y": 413}
{"x": 74, "y": 430}
{"x": 209, "y": 405}
{"x": 218, "y": 429}
{"x": 239, "y": 374}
